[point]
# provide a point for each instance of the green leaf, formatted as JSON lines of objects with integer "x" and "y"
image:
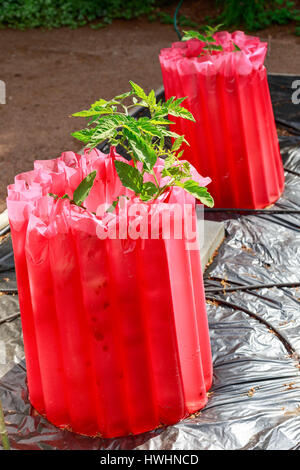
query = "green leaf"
{"x": 170, "y": 160}
{"x": 148, "y": 191}
{"x": 212, "y": 30}
{"x": 99, "y": 103}
{"x": 55, "y": 196}
{"x": 103, "y": 110}
{"x": 147, "y": 100}
{"x": 142, "y": 150}
{"x": 236, "y": 47}
{"x": 123, "y": 96}
{"x": 176, "y": 103}
{"x": 113, "y": 206}
{"x": 142, "y": 103}
{"x": 177, "y": 144}
{"x": 168, "y": 133}
{"x": 84, "y": 135}
{"x": 138, "y": 91}
{"x": 130, "y": 176}
{"x": 199, "y": 192}
{"x": 148, "y": 127}
{"x": 144, "y": 140}
{"x": 213, "y": 47}
{"x": 174, "y": 108}
{"x": 193, "y": 35}
{"x": 86, "y": 113}
{"x": 83, "y": 190}
{"x": 207, "y": 38}
{"x": 160, "y": 121}
{"x": 107, "y": 127}
{"x": 152, "y": 98}
{"x": 174, "y": 172}
{"x": 175, "y": 168}
{"x": 92, "y": 120}
{"x": 115, "y": 203}
{"x": 183, "y": 113}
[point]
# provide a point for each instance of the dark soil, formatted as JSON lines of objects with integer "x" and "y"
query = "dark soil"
{"x": 51, "y": 74}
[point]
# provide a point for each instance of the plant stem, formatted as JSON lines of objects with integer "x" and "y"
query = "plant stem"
{"x": 157, "y": 183}
{"x": 3, "y": 432}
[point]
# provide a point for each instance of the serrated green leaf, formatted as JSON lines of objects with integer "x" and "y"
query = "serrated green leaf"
{"x": 207, "y": 37}
{"x": 170, "y": 160}
{"x": 86, "y": 113}
{"x": 107, "y": 127}
{"x": 142, "y": 150}
{"x": 84, "y": 135}
{"x": 160, "y": 121}
{"x": 212, "y": 29}
{"x": 138, "y": 91}
{"x": 142, "y": 103}
{"x": 123, "y": 96}
{"x": 193, "y": 35}
{"x": 178, "y": 102}
{"x": 162, "y": 142}
{"x": 182, "y": 112}
{"x": 169, "y": 101}
{"x": 83, "y": 190}
{"x": 152, "y": 98}
{"x": 103, "y": 110}
{"x": 174, "y": 172}
{"x": 177, "y": 143}
{"x": 92, "y": 120}
{"x": 174, "y": 108}
{"x": 130, "y": 176}
{"x": 99, "y": 103}
{"x": 148, "y": 127}
{"x": 168, "y": 133}
{"x": 199, "y": 192}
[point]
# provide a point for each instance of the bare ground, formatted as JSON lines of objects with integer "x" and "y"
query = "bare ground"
{"x": 51, "y": 74}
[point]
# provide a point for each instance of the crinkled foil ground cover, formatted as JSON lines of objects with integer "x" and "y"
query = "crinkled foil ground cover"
{"x": 255, "y": 399}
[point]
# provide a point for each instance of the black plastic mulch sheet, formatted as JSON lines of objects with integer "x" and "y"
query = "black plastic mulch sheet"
{"x": 255, "y": 399}
{"x": 285, "y": 95}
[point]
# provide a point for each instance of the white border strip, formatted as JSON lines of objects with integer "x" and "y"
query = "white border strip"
{"x": 4, "y": 219}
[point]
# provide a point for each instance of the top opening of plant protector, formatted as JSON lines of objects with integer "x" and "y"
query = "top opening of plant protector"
{"x": 230, "y": 52}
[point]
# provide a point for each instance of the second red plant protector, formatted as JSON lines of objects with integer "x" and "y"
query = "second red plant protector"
{"x": 234, "y": 139}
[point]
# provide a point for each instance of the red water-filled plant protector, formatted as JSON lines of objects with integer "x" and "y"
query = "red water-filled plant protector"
{"x": 115, "y": 329}
{"x": 234, "y": 139}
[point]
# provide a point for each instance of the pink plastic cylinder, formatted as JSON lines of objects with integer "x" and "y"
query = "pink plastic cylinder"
{"x": 234, "y": 139}
{"x": 115, "y": 328}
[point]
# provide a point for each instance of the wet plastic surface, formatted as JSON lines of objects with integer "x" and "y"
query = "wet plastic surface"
{"x": 255, "y": 400}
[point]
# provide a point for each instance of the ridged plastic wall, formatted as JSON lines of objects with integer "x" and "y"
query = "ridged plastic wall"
{"x": 234, "y": 139}
{"x": 115, "y": 331}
